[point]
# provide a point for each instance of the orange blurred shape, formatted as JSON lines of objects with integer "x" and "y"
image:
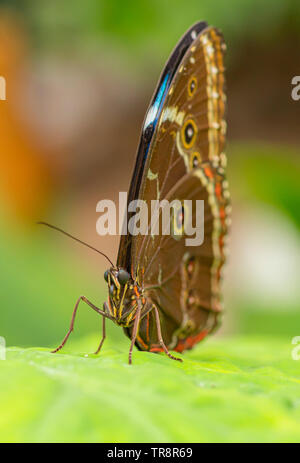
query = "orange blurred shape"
{"x": 26, "y": 173}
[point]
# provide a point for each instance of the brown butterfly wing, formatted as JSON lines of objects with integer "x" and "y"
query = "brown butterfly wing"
{"x": 150, "y": 130}
{"x": 186, "y": 161}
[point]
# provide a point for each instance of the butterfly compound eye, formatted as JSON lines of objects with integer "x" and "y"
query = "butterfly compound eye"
{"x": 106, "y": 276}
{"x": 123, "y": 277}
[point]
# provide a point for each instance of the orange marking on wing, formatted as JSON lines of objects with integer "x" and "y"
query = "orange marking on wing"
{"x": 218, "y": 190}
{"x": 136, "y": 291}
{"x": 208, "y": 172}
{"x": 156, "y": 349}
{"x": 189, "y": 342}
{"x": 222, "y": 212}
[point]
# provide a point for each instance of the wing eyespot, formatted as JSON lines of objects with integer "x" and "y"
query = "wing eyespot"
{"x": 189, "y": 133}
{"x": 192, "y": 86}
{"x": 190, "y": 265}
{"x": 180, "y": 217}
{"x": 195, "y": 160}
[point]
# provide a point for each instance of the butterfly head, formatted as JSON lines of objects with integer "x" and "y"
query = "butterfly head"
{"x": 122, "y": 296}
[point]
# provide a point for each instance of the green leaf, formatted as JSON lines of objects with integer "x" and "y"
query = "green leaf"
{"x": 241, "y": 390}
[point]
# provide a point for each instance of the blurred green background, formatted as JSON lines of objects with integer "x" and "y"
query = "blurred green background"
{"x": 79, "y": 78}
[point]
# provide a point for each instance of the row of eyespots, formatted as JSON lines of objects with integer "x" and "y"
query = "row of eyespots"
{"x": 190, "y": 267}
{"x": 189, "y": 130}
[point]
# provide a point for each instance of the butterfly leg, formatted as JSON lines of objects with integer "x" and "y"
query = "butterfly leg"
{"x": 134, "y": 332}
{"x": 103, "y": 336}
{"x": 160, "y": 339}
{"x": 84, "y": 299}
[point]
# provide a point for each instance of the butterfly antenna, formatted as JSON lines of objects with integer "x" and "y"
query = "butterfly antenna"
{"x": 76, "y": 239}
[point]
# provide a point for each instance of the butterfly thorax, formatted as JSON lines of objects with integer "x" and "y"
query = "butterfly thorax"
{"x": 124, "y": 296}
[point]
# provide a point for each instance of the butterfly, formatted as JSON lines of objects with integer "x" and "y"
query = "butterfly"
{"x": 165, "y": 294}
